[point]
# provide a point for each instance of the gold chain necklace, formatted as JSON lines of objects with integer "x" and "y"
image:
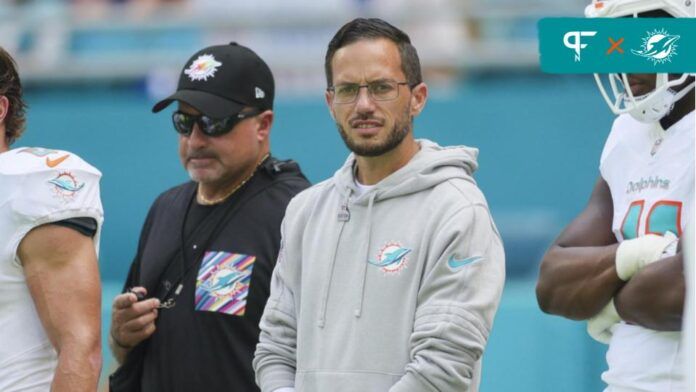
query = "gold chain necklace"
{"x": 208, "y": 202}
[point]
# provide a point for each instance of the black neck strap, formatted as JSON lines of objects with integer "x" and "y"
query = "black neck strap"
{"x": 171, "y": 281}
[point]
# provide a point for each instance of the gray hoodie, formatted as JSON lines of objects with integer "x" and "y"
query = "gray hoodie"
{"x": 394, "y": 290}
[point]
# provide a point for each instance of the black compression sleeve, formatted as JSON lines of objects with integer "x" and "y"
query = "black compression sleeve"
{"x": 84, "y": 225}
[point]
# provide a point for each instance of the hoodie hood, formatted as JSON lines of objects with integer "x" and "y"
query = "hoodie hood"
{"x": 430, "y": 166}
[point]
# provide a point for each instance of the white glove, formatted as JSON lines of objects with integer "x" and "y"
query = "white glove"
{"x": 601, "y": 325}
{"x": 631, "y": 256}
{"x": 634, "y": 254}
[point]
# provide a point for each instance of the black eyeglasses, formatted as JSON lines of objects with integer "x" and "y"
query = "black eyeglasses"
{"x": 183, "y": 122}
{"x": 380, "y": 90}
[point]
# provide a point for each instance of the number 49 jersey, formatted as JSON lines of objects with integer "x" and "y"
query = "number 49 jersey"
{"x": 650, "y": 173}
{"x": 651, "y": 176}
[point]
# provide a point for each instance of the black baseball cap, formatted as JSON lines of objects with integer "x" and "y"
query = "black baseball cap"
{"x": 219, "y": 81}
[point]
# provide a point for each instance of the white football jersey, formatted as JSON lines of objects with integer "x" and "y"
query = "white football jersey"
{"x": 37, "y": 186}
{"x": 651, "y": 176}
{"x": 688, "y": 325}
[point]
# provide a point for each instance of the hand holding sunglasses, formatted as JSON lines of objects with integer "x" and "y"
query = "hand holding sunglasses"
{"x": 183, "y": 122}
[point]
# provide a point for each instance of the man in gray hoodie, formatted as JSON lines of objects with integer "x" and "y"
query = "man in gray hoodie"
{"x": 390, "y": 272}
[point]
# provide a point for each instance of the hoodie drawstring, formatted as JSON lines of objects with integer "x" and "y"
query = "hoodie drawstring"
{"x": 343, "y": 217}
{"x": 364, "y": 261}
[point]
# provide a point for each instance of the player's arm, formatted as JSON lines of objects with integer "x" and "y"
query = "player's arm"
{"x": 578, "y": 274}
{"x": 60, "y": 266}
{"x": 654, "y": 297}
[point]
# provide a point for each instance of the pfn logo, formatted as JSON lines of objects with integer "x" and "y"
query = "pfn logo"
{"x": 576, "y": 44}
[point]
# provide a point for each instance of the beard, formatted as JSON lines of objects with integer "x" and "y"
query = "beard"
{"x": 396, "y": 135}
{"x": 204, "y": 176}
{"x": 210, "y": 172}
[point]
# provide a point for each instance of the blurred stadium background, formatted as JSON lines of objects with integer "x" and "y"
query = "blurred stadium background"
{"x": 93, "y": 69}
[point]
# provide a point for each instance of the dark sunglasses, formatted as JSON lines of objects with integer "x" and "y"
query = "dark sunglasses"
{"x": 183, "y": 122}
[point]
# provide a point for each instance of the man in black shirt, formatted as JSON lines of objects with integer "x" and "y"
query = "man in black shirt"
{"x": 188, "y": 317}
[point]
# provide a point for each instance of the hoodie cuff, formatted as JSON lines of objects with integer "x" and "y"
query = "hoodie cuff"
{"x": 275, "y": 378}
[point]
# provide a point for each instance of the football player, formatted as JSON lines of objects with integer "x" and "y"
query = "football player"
{"x": 618, "y": 263}
{"x": 50, "y": 295}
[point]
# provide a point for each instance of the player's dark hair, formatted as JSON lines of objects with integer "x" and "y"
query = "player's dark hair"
{"x": 374, "y": 28}
{"x": 11, "y": 87}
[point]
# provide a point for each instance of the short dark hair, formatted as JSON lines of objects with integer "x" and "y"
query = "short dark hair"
{"x": 374, "y": 28}
{"x": 11, "y": 87}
